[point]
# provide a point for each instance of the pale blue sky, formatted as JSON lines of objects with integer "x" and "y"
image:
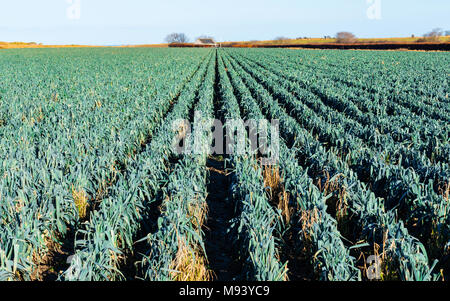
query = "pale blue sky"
{"x": 114, "y": 22}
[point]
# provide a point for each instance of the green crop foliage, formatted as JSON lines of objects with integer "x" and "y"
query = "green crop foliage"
{"x": 86, "y": 161}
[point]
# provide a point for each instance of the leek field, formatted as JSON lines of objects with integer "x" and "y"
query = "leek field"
{"x": 90, "y": 189}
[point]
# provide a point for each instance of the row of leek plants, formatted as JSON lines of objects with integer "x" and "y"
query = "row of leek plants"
{"x": 425, "y": 212}
{"x": 317, "y": 158}
{"x": 425, "y": 134}
{"x": 394, "y": 152}
{"x": 105, "y": 240}
{"x": 329, "y": 255}
{"x": 256, "y": 221}
{"x": 176, "y": 251}
{"x": 421, "y": 76}
{"x": 59, "y": 167}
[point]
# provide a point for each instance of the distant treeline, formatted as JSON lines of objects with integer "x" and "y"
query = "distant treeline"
{"x": 369, "y": 46}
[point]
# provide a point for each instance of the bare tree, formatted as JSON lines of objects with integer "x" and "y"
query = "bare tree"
{"x": 282, "y": 40}
{"x": 437, "y": 32}
{"x": 177, "y": 38}
{"x": 345, "y": 37}
{"x": 206, "y": 37}
{"x": 432, "y": 36}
